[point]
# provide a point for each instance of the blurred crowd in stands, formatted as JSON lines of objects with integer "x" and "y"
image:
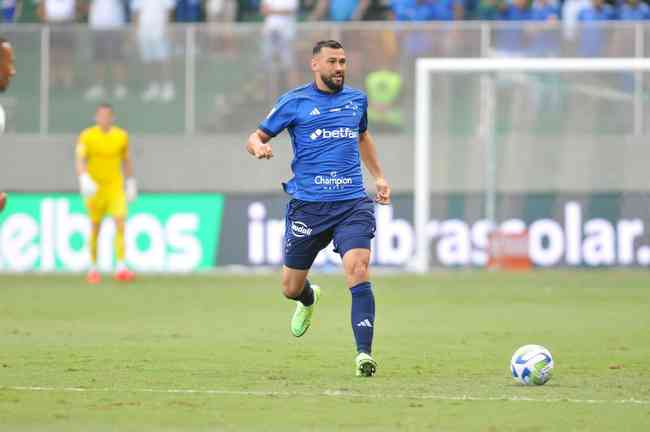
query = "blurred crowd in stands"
{"x": 67, "y": 11}
{"x": 379, "y": 64}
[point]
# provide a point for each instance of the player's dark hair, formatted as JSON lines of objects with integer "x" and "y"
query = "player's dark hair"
{"x": 105, "y": 105}
{"x": 326, "y": 44}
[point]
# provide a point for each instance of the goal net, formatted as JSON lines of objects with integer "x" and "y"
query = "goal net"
{"x": 552, "y": 149}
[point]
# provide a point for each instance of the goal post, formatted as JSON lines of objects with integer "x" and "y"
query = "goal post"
{"x": 426, "y": 70}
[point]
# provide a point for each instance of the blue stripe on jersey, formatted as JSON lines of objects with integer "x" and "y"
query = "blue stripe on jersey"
{"x": 324, "y": 129}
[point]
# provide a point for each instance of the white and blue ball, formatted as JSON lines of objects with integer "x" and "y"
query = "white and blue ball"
{"x": 532, "y": 365}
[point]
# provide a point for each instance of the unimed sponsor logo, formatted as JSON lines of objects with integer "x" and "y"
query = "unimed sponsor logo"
{"x": 575, "y": 241}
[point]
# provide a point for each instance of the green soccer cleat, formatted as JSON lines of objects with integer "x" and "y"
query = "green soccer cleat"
{"x": 301, "y": 319}
{"x": 366, "y": 365}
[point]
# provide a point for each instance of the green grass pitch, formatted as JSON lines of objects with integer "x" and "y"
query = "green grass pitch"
{"x": 214, "y": 353}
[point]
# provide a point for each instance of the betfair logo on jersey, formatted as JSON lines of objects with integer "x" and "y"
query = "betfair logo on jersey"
{"x": 334, "y": 133}
{"x": 299, "y": 229}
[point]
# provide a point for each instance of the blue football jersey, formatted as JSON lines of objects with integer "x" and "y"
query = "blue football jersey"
{"x": 324, "y": 129}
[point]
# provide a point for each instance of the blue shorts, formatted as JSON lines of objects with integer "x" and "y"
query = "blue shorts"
{"x": 311, "y": 226}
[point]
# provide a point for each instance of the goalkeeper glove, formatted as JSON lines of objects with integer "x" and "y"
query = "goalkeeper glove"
{"x": 131, "y": 189}
{"x": 87, "y": 185}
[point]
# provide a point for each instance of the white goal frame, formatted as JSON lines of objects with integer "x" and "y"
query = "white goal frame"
{"x": 425, "y": 67}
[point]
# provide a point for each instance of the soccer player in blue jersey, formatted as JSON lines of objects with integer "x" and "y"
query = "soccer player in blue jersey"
{"x": 328, "y": 125}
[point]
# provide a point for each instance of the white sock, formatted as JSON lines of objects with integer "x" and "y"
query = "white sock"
{"x": 92, "y": 268}
{"x": 120, "y": 266}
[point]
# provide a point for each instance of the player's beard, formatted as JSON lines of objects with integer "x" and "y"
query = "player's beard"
{"x": 333, "y": 85}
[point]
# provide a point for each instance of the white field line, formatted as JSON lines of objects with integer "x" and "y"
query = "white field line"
{"x": 328, "y": 393}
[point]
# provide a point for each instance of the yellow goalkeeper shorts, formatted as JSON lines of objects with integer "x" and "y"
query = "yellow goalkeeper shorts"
{"x": 107, "y": 202}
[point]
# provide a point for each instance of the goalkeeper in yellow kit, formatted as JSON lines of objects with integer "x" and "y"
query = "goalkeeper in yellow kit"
{"x": 102, "y": 162}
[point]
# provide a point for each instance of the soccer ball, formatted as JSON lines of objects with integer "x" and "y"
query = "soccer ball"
{"x": 532, "y": 365}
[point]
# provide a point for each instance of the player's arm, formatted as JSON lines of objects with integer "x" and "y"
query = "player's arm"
{"x": 127, "y": 165}
{"x": 281, "y": 117}
{"x": 369, "y": 157}
{"x": 87, "y": 185}
{"x": 258, "y": 145}
{"x": 80, "y": 164}
{"x": 130, "y": 185}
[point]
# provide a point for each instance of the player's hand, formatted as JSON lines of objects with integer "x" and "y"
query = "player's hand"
{"x": 87, "y": 185}
{"x": 3, "y": 200}
{"x": 131, "y": 189}
{"x": 263, "y": 151}
{"x": 383, "y": 191}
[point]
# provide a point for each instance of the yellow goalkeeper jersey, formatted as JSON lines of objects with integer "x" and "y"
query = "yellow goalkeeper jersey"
{"x": 104, "y": 153}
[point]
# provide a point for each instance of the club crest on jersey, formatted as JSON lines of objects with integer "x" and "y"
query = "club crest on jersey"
{"x": 352, "y": 106}
{"x": 299, "y": 229}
